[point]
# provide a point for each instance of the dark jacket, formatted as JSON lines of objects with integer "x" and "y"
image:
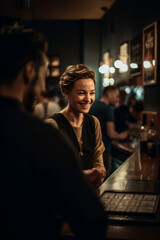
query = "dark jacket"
{"x": 41, "y": 183}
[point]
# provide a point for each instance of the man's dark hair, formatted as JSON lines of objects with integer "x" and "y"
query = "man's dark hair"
{"x": 17, "y": 47}
{"x": 108, "y": 89}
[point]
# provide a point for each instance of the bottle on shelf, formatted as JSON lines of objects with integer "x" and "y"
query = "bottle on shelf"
{"x": 152, "y": 141}
{"x": 144, "y": 134}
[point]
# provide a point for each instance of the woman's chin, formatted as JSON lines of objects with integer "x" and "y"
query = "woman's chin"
{"x": 85, "y": 110}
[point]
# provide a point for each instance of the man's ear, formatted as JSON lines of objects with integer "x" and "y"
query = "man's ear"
{"x": 29, "y": 72}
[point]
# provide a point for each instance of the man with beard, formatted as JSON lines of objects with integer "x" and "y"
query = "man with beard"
{"x": 103, "y": 110}
{"x": 41, "y": 183}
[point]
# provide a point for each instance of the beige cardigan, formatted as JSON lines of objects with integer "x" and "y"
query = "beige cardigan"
{"x": 99, "y": 148}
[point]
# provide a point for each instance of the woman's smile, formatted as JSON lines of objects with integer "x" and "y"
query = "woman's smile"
{"x": 82, "y": 95}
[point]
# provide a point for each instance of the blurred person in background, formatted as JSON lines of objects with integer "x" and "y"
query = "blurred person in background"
{"x": 46, "y": 107}
{"x": 121, "y": 114}
{"x": 56, "y": 96}
{"x": 129, "y": 113}
{"x": 135, "y": 111}
{"x": 103, "y": 110}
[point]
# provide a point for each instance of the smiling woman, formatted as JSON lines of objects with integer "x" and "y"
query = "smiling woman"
{"x": 78, "y": 86}
{"x": 81, "y": 98}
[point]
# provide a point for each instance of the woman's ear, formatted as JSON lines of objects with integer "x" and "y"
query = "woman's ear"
{"x": 29, "y": 72}
{"x": 65, "y": 93}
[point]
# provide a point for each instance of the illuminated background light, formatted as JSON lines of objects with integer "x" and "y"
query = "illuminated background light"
{"x": 112, "y": 70}
{"x": 106, "y": 82}
{"x": 106, "y": 75}
{"x": 103, "y": 69}
{"x": 118, "y": 63}
{"x": 127, "y": 90}
{"x": 134, "y": 65}
{"x": 146, "y": 64}
{"x": 137, "y": 91}
{"x": 111, "y": 81}
{"x": 124, "y": 67}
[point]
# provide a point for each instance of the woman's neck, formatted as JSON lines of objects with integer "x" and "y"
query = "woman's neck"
{"x": 75, "y": 119}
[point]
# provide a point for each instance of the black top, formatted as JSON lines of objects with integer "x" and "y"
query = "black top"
{"x": 41, "y": 183}
{"x": 122, "y": 116}
{"x": 104, "y": 113}
{"x": 88, "y": 137}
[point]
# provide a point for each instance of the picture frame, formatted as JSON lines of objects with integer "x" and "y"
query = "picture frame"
{"x": 123, "y": 56}
{"x": 106, "y": 58}
{"x": 54, "y": 66}
{"x": 55, "y": 61}
{"x": 54, "y": 71}
{"x": 136, "y": 56}
{"x": 149, "y": 57}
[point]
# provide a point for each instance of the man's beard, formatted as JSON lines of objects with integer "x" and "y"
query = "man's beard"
{"x": 112, "y": 104}
{"x": 31, "y": 96}
{"x": 30, "y": 101}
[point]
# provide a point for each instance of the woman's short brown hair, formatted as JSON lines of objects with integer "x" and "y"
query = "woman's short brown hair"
{"x": 74, "y": 73}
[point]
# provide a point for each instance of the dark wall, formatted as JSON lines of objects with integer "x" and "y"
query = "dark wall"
{"x": 91, "y": 49}
{"x": 64, "y": 38}
{"x": 74, "y": 41}
{"x": 123, "y": 22}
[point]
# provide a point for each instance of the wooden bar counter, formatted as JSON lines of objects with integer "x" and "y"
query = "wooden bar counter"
{"x": 126, "y": 178}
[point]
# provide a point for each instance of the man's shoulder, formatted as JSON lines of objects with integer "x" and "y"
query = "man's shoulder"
{"x": 96, "y": 105}
{"x": 47, "y": 136}
{"x": 109, "y": 108}
{"x": 32, "y": 127}
{"x": 102, "y": 106}
{"x": 40, "y": 127}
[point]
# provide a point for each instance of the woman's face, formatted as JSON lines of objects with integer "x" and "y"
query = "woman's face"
{"x": 82, "y": 95}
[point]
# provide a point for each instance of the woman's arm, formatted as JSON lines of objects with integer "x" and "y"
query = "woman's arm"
{"x": 99, "y": 149}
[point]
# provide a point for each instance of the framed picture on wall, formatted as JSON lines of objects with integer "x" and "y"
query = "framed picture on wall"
{"x": 123, "y": 55}
{"x": 149, "y": 56}
{"x": 136, "y": 56}
{"x": 54, "y": 66}
{"x": 55, "y": 61}
{"x": 54, "y": 72}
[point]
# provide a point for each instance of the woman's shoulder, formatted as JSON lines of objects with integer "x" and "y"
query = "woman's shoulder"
{"x": 96, "y": 121}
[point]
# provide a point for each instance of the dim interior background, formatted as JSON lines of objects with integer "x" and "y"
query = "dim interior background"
{"x": 83, "y": 33}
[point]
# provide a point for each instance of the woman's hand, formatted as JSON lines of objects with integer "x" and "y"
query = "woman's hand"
{"x": 95, "y": 176}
